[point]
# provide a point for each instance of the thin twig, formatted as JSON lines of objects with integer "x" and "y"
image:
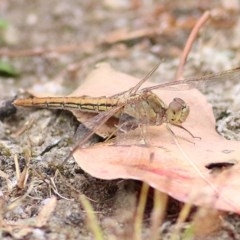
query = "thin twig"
{"x": 41, "y": 51}
{"x": 85, "y": 47}
{"x": 189, "y": 43}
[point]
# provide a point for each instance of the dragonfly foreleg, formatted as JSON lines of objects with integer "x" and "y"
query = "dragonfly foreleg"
{"x": 180, "y": 126}
{"x": 175, "y": 136}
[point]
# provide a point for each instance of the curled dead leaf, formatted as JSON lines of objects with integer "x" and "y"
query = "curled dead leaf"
{"x": 177, "y": 166}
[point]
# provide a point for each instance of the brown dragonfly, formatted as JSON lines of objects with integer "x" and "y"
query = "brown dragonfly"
{"x": 133, "y": 107}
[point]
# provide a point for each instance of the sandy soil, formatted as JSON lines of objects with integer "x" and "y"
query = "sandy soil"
{"x": 92, "y": 29}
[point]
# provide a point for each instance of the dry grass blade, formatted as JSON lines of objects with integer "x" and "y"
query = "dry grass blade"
{"x": 183, "y": 215}
{"x": 92, "y": 221}
{"x": 158, "y": 213}
{"x": 22, "y": 177}
{"x": 140, "y": 212}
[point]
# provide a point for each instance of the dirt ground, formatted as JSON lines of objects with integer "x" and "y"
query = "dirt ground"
{"x": 61, "y": 42}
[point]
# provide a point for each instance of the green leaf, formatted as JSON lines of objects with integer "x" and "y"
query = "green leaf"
{"x": 188, "y": 234}
{"x": 7, "y": 70}
{"x": 3, "y": 24}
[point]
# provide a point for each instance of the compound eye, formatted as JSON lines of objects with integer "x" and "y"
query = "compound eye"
{"x": 177, "y": 111}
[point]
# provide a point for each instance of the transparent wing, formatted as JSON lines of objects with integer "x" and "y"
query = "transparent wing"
{"x": 197, "y": 82}
{"x": 134, "y": 89}
{"x": 87, "y": 129}
{"x": 148, "y": 75}
{"x": 133, "y": 124}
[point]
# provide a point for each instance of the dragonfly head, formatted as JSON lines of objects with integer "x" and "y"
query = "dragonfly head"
{"x": 177, "y": 111}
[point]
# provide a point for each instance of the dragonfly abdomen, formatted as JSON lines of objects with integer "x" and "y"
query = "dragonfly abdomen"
{"x": 85, "y": 104}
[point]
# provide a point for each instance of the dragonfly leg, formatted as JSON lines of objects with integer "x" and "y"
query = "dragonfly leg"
{"x": 123, "y": 128}
{"x": 143, "y": 140}
{"x": 180, "y": 126}
{"x": 112, "y": 134}
{"x": 128, "y": 126}
{"x": 175, "y": 136}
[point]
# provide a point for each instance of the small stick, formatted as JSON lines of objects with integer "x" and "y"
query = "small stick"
{"x": 189, "y": 43}
{"x": 41, "y": 51}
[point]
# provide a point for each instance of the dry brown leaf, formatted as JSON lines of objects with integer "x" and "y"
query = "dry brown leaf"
{"x": 6, "y": 177}
{"x": 126, "y": 35}
{"x": 46, "y": 211}
{"x": 19, "y": 229}
{"x": 179, "y": 170}
{"x": 206, "y": 221}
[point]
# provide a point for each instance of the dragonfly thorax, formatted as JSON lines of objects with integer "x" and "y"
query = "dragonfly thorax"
{"x": 177, "y": 111}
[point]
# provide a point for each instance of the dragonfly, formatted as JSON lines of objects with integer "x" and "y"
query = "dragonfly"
{"x": 134, "y": 107}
